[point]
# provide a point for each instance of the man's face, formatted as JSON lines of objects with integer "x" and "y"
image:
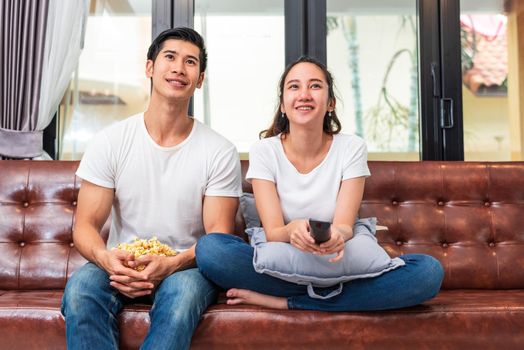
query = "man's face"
{"x": 176, "y": 70}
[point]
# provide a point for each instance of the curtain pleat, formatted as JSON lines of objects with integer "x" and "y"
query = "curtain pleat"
{"x": 22, "y": 33}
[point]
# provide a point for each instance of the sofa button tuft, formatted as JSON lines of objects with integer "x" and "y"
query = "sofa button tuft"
{"x": 73, "y": 203}
{"x": 440, "y": 203}
{"x": 71, "y": 244}
{"x": 22, "y": 244}
{"x": 26, "y": 204}
{"x": 399, "y": 243}
{"x": 491, "y": 244}
{"x": 487, "y": 204}
{"x": 394, "y": 202}
{"x": 444, "y": 245}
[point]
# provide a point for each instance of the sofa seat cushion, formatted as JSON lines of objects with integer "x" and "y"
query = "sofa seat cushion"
{"x": 447, "y": 321}
{"x": 32, "y": 319}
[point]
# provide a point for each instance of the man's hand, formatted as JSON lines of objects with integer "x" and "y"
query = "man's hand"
{"x": 114, "y": 261}
{"x": 119, "y": 265}
{"x": 132, "y": 289}
{"x": 157, "y": 268}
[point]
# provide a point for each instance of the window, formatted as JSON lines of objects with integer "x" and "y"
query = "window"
{"x": 490, "y": 80}
{"x": 373, "y": 55}
{"x": 395, "y": 64}
{"x": 109, "y": 83}
{"x": 245, "y": 42}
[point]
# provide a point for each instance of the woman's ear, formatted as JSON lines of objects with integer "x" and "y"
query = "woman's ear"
{"x": 332, "y": 104}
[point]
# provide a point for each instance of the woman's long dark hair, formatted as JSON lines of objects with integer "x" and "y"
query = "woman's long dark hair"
{"x": 280, "y": 123}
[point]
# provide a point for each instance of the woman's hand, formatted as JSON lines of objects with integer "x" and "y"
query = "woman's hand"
{"x": 300, "y": 237}
{"x": 336, "y": 243}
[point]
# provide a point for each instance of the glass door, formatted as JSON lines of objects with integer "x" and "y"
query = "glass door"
{"x": 372, "y": 52}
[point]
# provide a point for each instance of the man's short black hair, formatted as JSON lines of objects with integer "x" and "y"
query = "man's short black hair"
{"x": 179, "y": 33}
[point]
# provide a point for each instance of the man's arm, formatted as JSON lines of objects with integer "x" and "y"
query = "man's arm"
{"x": 94, "y": 206}
{"x": 218, "y": 215}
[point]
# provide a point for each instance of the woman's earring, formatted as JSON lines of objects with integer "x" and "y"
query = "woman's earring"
{"x": 329, "y": 114}
{"x": 283, "y": 115}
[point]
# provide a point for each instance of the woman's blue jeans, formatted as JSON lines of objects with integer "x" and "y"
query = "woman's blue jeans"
{"x": 228, "y": 261}
{"x": 90, "y": 306}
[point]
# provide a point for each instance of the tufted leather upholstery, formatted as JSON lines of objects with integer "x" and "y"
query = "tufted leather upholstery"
{"x": 36, "y": 222}
{"x": 467, "y": 215}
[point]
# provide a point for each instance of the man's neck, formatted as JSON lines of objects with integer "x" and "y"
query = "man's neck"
{"x": 167, "y": 122}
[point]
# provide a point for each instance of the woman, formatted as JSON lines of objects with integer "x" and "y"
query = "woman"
{"x": 304, "y": 168}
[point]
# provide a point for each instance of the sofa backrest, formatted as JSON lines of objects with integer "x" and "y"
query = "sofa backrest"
{"x": 468, "y": 215}
{"x": 37, "y": 207}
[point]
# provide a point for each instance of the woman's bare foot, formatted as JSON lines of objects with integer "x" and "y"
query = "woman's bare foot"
{"x": 244, "y": 296}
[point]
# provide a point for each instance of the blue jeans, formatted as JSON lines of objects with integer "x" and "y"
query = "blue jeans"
{"x": 90, "y": 306}
{"x": 228, "y": 261}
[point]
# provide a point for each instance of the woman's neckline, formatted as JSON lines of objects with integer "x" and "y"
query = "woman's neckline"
{"x": 317, "y": 166}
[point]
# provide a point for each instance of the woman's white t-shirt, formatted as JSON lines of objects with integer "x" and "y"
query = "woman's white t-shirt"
{"x": 312, "y": 195}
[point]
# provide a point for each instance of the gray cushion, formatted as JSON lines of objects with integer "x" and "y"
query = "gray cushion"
{"x": 249, "y": 210}
{"x": 363, "y": 258}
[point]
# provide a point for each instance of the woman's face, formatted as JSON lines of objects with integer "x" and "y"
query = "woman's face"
{"x": 305, "y": 97}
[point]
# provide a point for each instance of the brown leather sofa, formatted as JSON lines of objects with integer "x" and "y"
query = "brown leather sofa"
{"x": 470, "y": 216}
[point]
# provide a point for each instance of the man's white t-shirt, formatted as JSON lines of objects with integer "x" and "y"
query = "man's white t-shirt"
{"x": 159, "y": 191}
{"x": 312, "y": 195}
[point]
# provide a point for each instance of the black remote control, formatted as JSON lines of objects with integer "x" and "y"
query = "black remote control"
{"x": 320, "y": 230}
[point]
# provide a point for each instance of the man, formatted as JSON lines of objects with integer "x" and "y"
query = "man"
{"x": 163, "y": 174}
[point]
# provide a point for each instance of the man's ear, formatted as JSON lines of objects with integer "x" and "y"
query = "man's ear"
{"x": 149, "y": 68}
{"x": 200, "y": 80}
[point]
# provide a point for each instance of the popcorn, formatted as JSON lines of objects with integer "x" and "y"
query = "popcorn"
{"x": 147, "y": 247}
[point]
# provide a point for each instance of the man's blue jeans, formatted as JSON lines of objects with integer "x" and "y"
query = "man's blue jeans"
{"x": 90, "y": 306}
{"x": 228, "y": 261}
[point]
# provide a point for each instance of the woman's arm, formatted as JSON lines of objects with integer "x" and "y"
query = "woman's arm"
{"x": 346, "y": 210}
{"x": 348, "y": 202}
{"x": 268, "y": 206}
